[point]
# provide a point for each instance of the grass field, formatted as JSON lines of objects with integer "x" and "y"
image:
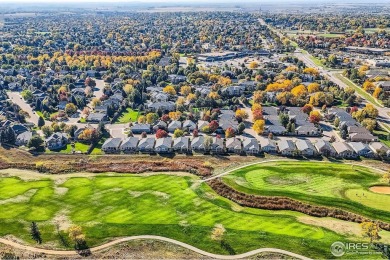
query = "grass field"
{"x": 382, "y": 135}
{"x": 337, "y": 185}
{"x": 78, "y": 147}
{"x": 129, "y": 115}
{"x": 173, "y": 206}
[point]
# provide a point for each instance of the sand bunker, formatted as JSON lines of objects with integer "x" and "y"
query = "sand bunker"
{"x": 380, "y": 189}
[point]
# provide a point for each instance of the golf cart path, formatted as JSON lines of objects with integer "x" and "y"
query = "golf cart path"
{"x": 165, "y": 239}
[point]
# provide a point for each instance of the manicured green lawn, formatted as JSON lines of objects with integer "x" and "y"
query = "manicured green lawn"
{"x": 329, "y": 184}
{"x": 39, "y": 113}
{"x": 129, "y": 115}
{"x": 382, "y": 135}
{"x": 68, "y": 148}
{"x": 173, "y": 206}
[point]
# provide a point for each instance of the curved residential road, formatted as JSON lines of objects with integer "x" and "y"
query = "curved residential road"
{"x": 165, "y": 239}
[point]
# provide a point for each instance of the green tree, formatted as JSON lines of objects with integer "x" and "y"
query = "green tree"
{"x": 41, "y": 122}
{"x": 35, "y": 142}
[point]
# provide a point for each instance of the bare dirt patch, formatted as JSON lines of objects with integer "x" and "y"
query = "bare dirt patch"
{"x": 159, "y": 194}
{"x": 338, "y": 226}
{"x": 20, "y": 198}
{"x": 62, "y": 221}
{"x": 380, "y": 189}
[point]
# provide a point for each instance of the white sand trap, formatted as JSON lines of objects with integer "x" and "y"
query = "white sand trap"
{"x": 380, "y": 189}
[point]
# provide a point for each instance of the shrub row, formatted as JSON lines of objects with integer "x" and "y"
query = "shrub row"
{"x": 285, "y": 203}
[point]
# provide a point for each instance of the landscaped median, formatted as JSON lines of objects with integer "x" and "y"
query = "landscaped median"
{"x": 359, "y": 90}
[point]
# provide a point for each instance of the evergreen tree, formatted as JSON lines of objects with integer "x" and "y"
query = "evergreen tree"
{"x": 41, "y": 122}
{"x": 35, "y": 233}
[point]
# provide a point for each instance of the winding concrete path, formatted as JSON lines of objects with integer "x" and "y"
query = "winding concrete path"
{"x": 165, "y": 239}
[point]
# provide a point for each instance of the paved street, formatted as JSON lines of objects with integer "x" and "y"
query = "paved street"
{"x": 17, "y": 99}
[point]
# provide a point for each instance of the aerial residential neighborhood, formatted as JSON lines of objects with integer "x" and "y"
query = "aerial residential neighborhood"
{"x": 195, "y": 130}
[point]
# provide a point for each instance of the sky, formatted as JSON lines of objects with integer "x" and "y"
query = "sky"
{"x": 191, "y": 1}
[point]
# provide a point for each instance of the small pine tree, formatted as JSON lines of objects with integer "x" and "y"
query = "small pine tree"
{"x": 35, "y": 233}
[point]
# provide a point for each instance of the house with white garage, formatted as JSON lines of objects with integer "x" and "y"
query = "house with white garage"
{"x": 181, "y": 144}
{"x": 325, "y": 148}
{"x": 197, "y": 144}
{"x": 189, "y": 125}
{"x": 267, "y": 145}
{"x": 129, "y": 145}
{"x": 361, "y": 149}
{"x": 233, "y": 145}
{"x": 379, "y": 148}
{"x": 286, "y": 147}
{"x": 173, "y": 125}
{"x": 305, "y": 147}
{"x": 217, "y": 145}
{"x": 111, "y": 145}
{"x": 343, "y": 150}
{"x": 140, "y": 128}
{"x": 163, "y": 145}
{"x": 146, "y": 145}
{"x": 251, "y": 146}
{"x": 23, "y": 138}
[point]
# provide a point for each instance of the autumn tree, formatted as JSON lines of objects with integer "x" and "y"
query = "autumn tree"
{"x": 151, "y": 118}
{"x": 315, "y": 117}
{"x": 241, "y": 114}
{"x": 369, "y": 124}
{"x": 299, "y": 91}
{"x": 177, "y": 133}
{"x": 90, "y": 82}
{"x": 311, "y": 71}
{"x": 96, "y": 102}
{"x": 141, "y": 120}
{"x": 89, "y": 135}
{"x": 257, "y": 97}
{"x": 70, "y": 109}
{"x": 368, "y": 86}
{"x": 257, "y": 115}
{"x": 76, "y": 235}
{"x": 185, "y": 90}
{"x": 230, "y": 132}
{"x": 377, "y": 92}
{"x": 213, "y": 125}
{"x": 313, "y": 87}
{"x": 258, "y": 126}
{"x": 307, "y": 108}
{"x": 370, "y": 230}
{"x": 253, "y": 65}
{"x": 175, "y": 115}
{"x": 169, "y": 90}
{"x": 160, "y": 133}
